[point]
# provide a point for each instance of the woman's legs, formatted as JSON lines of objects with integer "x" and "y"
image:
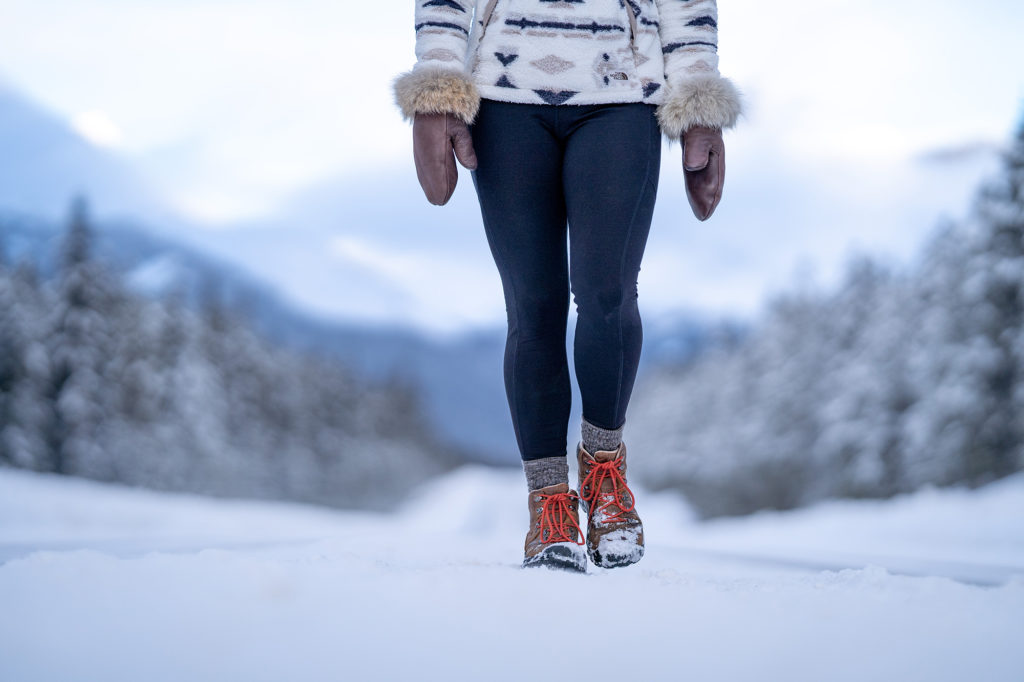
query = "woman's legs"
{"x": 595, "y": 166}
{"x": 519, "y": 184}
{"x": 610, "y": 176}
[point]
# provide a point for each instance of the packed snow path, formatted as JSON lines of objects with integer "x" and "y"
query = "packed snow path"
{"x": 106, "y": 583}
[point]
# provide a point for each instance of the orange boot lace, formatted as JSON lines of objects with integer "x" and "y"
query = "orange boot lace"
{"x": 593, "y": 481}
{"x": 557, "y": 518}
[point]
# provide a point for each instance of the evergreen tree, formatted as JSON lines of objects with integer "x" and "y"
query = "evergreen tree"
{"x": 4, "y": 265}
{"x": 10, "y": 361}
{"x": 997, "y": 298}
{"x": 25, "y": 368}
{"x": 79, "y": 346}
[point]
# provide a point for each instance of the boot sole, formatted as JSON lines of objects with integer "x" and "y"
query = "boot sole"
{"x": 615, "y": 560}
{"x": 559, "y": 557}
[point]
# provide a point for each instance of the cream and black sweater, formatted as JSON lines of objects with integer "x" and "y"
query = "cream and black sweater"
{"x": 559, "y": 52}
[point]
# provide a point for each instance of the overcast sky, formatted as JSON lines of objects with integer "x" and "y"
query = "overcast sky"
{"x": 231, "y": 107}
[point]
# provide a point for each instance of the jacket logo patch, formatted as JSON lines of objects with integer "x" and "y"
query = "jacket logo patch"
{"x": 612, "y": 68}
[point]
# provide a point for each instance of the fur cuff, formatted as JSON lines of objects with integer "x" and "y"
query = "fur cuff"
{"x": 434, "y": 90}
{"x": 708, "y": 101}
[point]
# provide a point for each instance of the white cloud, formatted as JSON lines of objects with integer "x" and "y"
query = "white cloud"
{"x": 98, "y": 128}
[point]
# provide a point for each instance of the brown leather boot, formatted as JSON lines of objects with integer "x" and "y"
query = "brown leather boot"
{"x": 615, "y": 535}
{"x": 554, "y": 539}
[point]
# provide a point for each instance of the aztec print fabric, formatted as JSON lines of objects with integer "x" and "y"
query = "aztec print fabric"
{"x": 570, "y": 51}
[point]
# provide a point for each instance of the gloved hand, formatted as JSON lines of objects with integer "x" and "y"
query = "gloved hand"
{"x": 434, "y": 137}
{"x": 704, "y": 169}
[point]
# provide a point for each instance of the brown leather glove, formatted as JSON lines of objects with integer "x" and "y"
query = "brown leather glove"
{"x": 434, "y": 137}
{"x": 704, "y": 169}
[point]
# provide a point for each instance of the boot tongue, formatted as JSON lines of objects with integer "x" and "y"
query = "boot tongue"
{"x": 601, "y": 457}
{"x": 555, "y": 489}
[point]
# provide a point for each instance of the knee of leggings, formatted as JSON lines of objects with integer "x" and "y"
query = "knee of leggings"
{"x": 539, "y": 317}
{"x": 604, "y": 302}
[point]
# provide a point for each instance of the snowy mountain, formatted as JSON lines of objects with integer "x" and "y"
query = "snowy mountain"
{"x": 370, "y": 248}
{"x": 46, "y": 164}
{"x": 109, "y": 583}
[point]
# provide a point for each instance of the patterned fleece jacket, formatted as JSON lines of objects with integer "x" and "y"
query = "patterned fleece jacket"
{"x": 557, "y": 52}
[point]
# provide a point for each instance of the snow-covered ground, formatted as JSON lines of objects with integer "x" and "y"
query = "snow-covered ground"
{"x": 107, "y": 583}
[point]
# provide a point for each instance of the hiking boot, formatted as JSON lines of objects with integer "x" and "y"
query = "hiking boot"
{"x": 555, "y": 537}
{"x": 615, "y": 535}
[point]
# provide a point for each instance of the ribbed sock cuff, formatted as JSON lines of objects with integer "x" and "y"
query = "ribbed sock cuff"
{"x": 540, "y": 473}
{"x": 595, "y": 438}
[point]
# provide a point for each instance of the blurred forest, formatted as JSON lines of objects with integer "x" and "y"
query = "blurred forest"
{"x": 895, "y": 381}
{"x": 99, "y": 382}
{"x": 898, "y": 379}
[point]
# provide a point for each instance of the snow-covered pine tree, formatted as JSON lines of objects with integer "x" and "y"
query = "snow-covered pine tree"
{"x": 10, "y": 351}
{"x": 22, "y": 321}
{"x": 79, "y": 347}
{"x": 936, "y": 427}
{"x": 996, "y": 293}
{"x": 965, "y": 357}
{"x": 863, "y": 391}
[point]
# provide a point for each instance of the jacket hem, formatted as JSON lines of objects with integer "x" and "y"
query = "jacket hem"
{"x": 525, "y": 96}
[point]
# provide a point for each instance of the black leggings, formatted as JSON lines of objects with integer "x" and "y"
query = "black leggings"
{"x": 595, "y": 168}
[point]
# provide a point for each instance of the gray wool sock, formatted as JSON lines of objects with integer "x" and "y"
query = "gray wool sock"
{"x": 540, "y": 473}
{"x": 595, "y": 438}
